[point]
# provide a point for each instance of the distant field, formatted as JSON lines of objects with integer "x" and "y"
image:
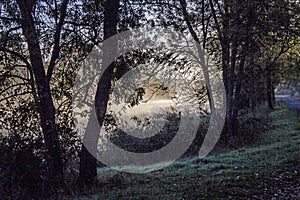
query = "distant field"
{"x": 147, "y": 109}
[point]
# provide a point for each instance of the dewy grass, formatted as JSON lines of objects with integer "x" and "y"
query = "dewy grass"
{"x": 268, "y": 170}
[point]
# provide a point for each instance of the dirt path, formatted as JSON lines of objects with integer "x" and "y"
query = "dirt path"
{"x": 292, "y": 103}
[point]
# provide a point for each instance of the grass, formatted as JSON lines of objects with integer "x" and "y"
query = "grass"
{"x": 269, "y": 170}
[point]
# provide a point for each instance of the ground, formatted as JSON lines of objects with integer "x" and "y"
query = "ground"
{"x": 270, "y": 169}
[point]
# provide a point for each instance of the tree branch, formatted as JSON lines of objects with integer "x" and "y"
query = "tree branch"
{"x": 12, "y": 86}
{"x": 16, "y": 54}
{"x": 56, "y": 48}
{"x": 14, "y": 95}
{"x": 216, "y": 20}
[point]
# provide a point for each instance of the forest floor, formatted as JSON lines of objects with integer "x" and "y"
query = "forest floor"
{"x": 270, "y": 169}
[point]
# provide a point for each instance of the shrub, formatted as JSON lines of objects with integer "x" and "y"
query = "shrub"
{"x": 23, "y": 168}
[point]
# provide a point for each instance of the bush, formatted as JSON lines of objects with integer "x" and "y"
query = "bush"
{"x": 23, "y": 167}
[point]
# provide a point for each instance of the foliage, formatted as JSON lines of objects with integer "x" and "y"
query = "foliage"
{"x": 22, "y": 166}
{"x": 23, "y": 169}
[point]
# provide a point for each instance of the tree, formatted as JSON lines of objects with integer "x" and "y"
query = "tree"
{"x": 88, "y": 163}
{"x": 45, "y": 101}
{"x": 45, "y": 59}
{"x": 243, "y": 32}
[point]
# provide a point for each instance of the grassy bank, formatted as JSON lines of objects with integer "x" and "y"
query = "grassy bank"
{"x": 268, "y": 170}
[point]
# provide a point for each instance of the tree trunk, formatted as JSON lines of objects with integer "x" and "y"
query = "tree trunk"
{"x": 238, "y": 89}
{"x": 200, "y": 52}
{"x": 269, "y": 88}
{"x": 227, "y": 71}
{"x": 224, "y": 38}
{"x": 46, "y": 107}
{"x": 252, "y": 87}
{"x": 273, "y": 96}
{"x": 88, "y": 163}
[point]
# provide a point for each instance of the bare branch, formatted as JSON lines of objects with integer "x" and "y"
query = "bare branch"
{"x": 56, "y": 48}
{"x": 12, "y": 86}
{"x": 15, "y": 95}
{"x": 17, "y": 55}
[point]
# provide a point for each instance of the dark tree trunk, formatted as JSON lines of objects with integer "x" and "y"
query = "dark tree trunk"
{"x": 269, "y": 88}
{"x": 45, "y": 102}
{"x": 273, "y": 96}
{"x": 227, "y": 71}
{"x": 88, "y": 163}
{"x": 252, "y": 87}
{"x": 238, "y": 89}
{"x": 224, "y": 38}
